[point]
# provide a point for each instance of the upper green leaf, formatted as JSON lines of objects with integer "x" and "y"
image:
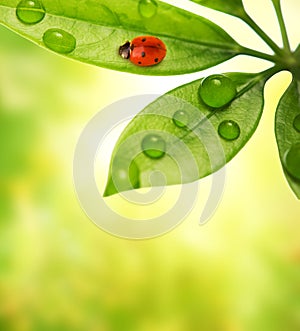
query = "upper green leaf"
{"x": 92, "y": 31}
{"x": 231, "y": 7}
{"x": 287, "y": 129}
{"x": 183, "y": 138}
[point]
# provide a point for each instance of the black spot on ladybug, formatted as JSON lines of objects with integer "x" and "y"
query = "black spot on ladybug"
{"x": 156, "y": 60}
{"x": 143, "y": 54}
{"x": 144, "y": 39}
{"x": 139, "y": 62}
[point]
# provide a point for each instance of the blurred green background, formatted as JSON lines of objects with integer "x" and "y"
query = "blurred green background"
{"x": 58, "y": 271}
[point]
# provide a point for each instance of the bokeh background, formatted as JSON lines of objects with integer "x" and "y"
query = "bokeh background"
{"x": 58, "y": 271}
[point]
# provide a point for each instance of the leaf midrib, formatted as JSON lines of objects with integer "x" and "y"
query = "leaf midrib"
{"x": 265, "y": 75}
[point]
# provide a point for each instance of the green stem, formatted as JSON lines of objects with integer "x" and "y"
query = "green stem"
{"x": 264, "y": 75}
{"x": 284, "y": 34}
{"x": 254, "y": 53}
{"x": 247, "y": 19}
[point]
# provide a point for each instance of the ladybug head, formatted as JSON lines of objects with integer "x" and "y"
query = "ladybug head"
{"x": 124, "y": 50}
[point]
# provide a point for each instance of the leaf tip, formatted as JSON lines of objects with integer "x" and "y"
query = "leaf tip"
{"x": 122, "y": 179}
{"x": 110, "y": 189}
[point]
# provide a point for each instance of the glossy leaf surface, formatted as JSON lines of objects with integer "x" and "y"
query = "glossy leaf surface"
{"x": 195, "y": 147}
{"x": 100, "y": 27}
{"x": 231, "y": 7}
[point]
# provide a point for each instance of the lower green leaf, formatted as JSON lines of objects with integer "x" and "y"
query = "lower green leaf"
{"x": 287, "y": 129}
{"x": 179, "y": 138}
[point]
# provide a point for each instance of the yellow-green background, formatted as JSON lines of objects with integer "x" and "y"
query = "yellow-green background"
{"x": 58, "y": 271}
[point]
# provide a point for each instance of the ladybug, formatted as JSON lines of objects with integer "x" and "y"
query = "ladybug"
{"x": 144, "y": 51}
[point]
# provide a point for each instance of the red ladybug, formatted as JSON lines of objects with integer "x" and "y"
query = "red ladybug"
{"x": 144, "y": 51}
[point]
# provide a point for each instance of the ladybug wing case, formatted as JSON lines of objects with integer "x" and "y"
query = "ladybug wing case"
{"x": 147, "y": 51}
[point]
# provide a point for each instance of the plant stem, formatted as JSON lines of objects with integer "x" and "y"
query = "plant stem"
{"x": 247, "y": 19}
{"x": 254, "y": 53}
{"x": 284, "y": 34}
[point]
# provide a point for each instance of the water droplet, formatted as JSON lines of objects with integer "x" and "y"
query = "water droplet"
{"x": 147, "y": 8}
{"x": 122, "y": 178}
{"x": 154, "y": 146}
{"x": 180, "y": 118}
{"x": 297, "y": 123}
{"x": 229, "y": 130}
{"x": 217, "y": 90}
{"x": 292, "y": 161}
{"x": 59, "y": 41}
{"x": 30, "y": 11}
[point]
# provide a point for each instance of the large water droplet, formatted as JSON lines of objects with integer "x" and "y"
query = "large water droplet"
{"x": 180, "y": 118}
{"x": 229, "y": 130}
{"x": 147, "y": 8}
{"x": 217, "y": 90}
{"x": 154, "y": 146}
{"x": 292, "y": 161}
{"x": 30, "y": 11}
{"x": 297, "y": 123}
{"x": 59, "y": 41}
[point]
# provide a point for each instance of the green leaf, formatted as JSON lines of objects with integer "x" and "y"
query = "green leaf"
{"x": 231, "y": 7}
{"x": 287, "y": 129}
{"x": 192, "y": 151}
{"x": 100, "y": 27}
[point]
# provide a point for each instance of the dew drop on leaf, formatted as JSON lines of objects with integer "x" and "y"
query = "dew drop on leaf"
{"x": 59, "y": 41}
{"x": 30, "y": 11}
{"x": 292, "y": 161}
{"x": 154, "y": 146}
{"x": 297, "y": 123}
{"x": 217, "y": 91}
{"x": 229, "y": 130}
{"x": 180, "y": 118}
{"x": 147, "y": 8}
{"x": 120, "y": 177}
{"x": 123, "y": 178}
